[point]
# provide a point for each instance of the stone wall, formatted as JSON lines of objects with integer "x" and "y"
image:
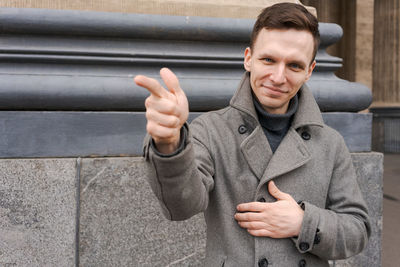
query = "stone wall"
{"x": 101, "y": 212}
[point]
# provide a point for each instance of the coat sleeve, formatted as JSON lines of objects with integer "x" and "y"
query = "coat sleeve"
{"x": 181, "y": 182}
{"x": 342, "y": 228}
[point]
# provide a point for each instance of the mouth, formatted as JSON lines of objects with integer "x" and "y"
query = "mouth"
{"x": 273, "y": 91}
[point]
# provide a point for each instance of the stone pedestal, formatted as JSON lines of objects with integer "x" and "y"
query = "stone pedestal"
{"x": 119, "y": 219}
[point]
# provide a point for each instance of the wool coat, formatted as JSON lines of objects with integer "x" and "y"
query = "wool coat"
{"x": 227, "y": 160}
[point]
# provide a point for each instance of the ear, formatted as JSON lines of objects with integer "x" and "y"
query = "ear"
{"x": 310, "y": 70}
{"x": 247, "y": 59}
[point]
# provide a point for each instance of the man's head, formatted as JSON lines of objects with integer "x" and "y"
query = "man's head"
{"x": 281, "y": 55}
{"x": 287, "y": 16}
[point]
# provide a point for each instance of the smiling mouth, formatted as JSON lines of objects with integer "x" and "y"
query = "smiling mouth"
{"x": 270, "y": 90}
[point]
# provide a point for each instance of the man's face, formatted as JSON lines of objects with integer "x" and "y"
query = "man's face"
{"x": 279, "y": 64}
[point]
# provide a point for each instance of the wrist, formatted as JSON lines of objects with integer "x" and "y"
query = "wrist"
{"x": 167, "y": 147}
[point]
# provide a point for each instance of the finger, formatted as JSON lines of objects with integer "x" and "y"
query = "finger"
{"x": 251, "y": 206}
{"x": 252, "y": 225}
{"x": 152, "y": 85}
{"x": 260, "y": 232}
{"x": 161, "y": 105}
{"x": 171, "y": 81}
{"x": 248, "y": 216}
{"x": 165, "y": 120}
{"x": 161, "y": 133}
{"x": 276, "y": 193}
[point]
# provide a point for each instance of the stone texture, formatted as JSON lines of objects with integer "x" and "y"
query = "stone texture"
{"x": 343, "y": 13}
{"x": 206, "y": 8}
{"x": 364, "y": 41}
{"x": 355, "y": 128}
{"x": 89, "y": 134}
{"x": 369, "y": 168}
{"x": 122, "y": 225}
{"x": 33, "y": 134}
{"x": 391, "y": 208}
{"x": 121, "y": 222}
{"x": 37, "y": 212}
{"x": 386, "y": 57}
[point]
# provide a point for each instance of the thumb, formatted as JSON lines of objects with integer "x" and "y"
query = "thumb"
{"x": 276, "y": 193}
{"x": 171, "y": 81}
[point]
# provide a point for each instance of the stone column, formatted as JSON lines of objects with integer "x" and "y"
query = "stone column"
{"x": 386, "y": 77}
{"x": 341, "y": 12}
{"x": 364, "y": 42}
{"x": 386, "y": 70}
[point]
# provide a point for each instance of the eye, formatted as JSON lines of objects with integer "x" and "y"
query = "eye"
{"x": 268, "y": 60}
{"x": 295, "y": 66}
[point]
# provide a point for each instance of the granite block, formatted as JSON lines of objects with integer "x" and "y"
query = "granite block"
{"x": 37, "y": 212}
{"x": 121, "y": 223}
{"x": 369, "y": 168}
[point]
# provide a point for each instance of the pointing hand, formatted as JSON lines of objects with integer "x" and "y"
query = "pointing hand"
{"x": 166, "y": 110}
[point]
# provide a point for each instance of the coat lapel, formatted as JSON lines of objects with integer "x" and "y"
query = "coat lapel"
{"x": 291, "y": 154}
{"x": 255, "y": 147}
{"x": 256, "y": 151}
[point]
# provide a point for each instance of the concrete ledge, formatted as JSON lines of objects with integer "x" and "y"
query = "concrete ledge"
{"x": 356, "y": 128}
{"x": 82, "y": 134}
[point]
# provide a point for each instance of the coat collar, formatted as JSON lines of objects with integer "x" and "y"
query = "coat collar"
{"x": 292, "y": 152}
{"x": 308, "y": 112}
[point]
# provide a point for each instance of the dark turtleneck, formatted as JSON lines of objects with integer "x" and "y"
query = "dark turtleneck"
{"x": 275, "y": 126}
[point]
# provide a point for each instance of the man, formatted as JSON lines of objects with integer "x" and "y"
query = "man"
{"x": 276, "y": 185}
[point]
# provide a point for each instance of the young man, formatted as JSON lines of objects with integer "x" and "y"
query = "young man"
{"x": 276, "y": 185}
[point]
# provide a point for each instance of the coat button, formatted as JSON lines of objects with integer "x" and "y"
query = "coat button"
{"x": 263, "y": 263}
{"x": 261, "y": 199}
{"x": 305, "y": 135}
{"x": 242, "y": 129}
{"x": 302, "y": 263}
{"x": 304, "y": 246}
{"x": 301, "y": 204}
{"x": 317, "y": 239}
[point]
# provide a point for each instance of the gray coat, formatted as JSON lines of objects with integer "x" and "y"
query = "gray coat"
{"x": 227, "y": 161}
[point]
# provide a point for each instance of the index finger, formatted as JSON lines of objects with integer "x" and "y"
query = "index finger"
{"x": 152, "y": 85}
{"x": 251, "y": 206}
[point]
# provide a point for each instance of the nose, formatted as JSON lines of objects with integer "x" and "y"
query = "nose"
{"x": 278, "y": 74}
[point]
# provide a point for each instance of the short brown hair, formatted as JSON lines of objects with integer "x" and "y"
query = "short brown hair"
{"x": 287, "y": 16}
